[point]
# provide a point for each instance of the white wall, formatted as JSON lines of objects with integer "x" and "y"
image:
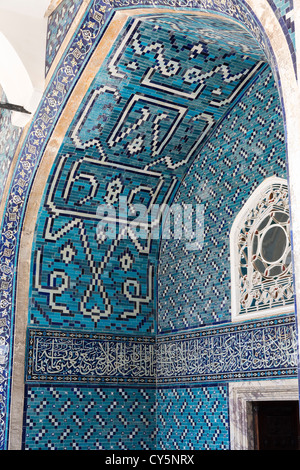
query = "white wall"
{"x": 23, "y": 28}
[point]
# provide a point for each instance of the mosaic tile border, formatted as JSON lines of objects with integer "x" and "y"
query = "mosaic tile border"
{"x": 285, "y": 19}
{"x": 283, "y": 10}
{"x": 9, "y": 138}
{"x": 254, "y": 349}
{"x": 64, "y": 78}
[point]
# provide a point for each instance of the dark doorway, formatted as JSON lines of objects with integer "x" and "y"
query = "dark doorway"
{"x": 276, "y": 425}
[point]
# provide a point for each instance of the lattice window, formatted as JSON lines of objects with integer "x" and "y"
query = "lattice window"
{"x": 261, "y": 259}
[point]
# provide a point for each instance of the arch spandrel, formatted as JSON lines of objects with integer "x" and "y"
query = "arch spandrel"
{"x": 36, "y": 149}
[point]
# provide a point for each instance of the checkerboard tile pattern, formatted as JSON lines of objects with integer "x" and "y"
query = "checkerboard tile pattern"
{"x": 68, "y": 74}
{"x": 82, "y": 418}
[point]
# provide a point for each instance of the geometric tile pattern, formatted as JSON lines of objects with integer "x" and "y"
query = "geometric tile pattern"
{"x": 9, "y": 139}
{"x": 194, "y": 286}
{"x": 141, "y": 124}
{"x": 59, "y": 23}
{"x": 73, "y": 418}
{"x": 67, "y": 74}
{"x": 82, "y": 418}
{"x": 285, "y": 14}
{"x": 81, "y": 358}
{"x": 193, "y": 418}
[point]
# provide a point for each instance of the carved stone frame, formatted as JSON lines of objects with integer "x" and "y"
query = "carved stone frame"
{"x": 242, "y": 394}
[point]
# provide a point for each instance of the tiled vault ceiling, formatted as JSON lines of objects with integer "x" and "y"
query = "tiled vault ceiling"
{"x": 160, "y": 93}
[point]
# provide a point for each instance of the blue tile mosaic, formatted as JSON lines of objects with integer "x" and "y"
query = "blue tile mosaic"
{"x": 243, "y": 351}
{"x": 265, "y": 348}
{"x": 193, "y": 418}
{"x": 77, "y": 418}
{"x": 137, "y": 131}
{"x": 9, "y": 139}
{"x": 187, "y": 408}
{"x": 284, "y": 10}
{"x": 68, "y": 72}
{"x": 247, "y": 148}
{"x": 85, "y": 358}
{"x": 59, "y": 23}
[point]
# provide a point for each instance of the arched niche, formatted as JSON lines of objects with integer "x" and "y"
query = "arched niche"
{"x": 62, "y": 117}
{"x": 22, "y": 74}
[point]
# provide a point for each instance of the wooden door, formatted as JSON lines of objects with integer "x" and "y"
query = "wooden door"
{"x": 276, "y": 425}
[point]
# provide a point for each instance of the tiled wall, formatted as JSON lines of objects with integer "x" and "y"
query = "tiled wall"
{"x": 194, "y": 286}
{"x": 9, "y": 139}
{"x": 193, "y": 418}
{"x": 93, "y": 318}
{"x": 83, "y": 418}
{"x": 53, "y": 425}
{"x": 138, "y": 129}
